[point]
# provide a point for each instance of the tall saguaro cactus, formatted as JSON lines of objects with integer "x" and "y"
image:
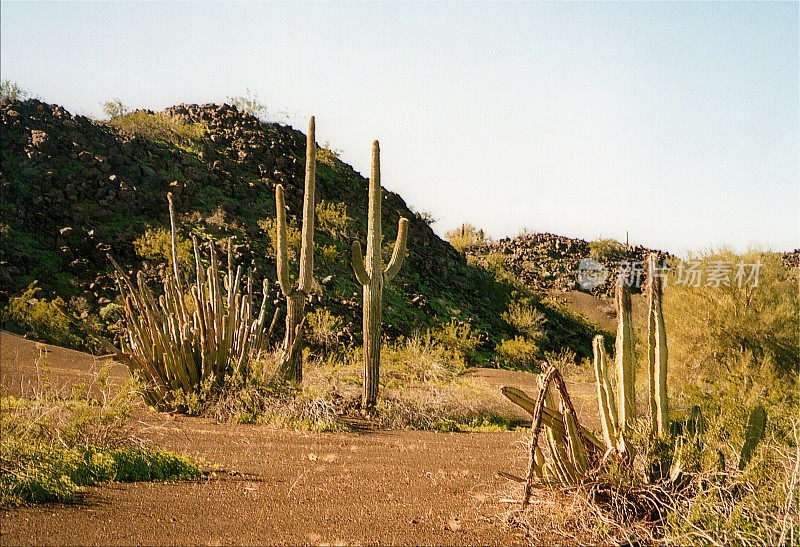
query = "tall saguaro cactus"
{"x": 291, "y": 361}
{"x": 657, "y": 352}
{"x": 626, "y": 362}
{"x": 371, "y": 274}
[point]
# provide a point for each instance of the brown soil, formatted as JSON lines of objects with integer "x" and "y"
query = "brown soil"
{"x": 283, "y": 487}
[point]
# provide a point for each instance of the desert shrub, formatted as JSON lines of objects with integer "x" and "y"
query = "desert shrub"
{"x": 526, "y": 319}
{"x": 605, "y": 250}
{"x": 322, "y": 329}
{"x": 465, "y": 236}
{"x": 249, "y": 104}
{"x": 158, "y": 127}
{"x": 458, "y": 337}
{"x": 30, "y": 312}
{"x": 516, "y": 353}
{"x": 327, "y": 155}
{"x": 327, "y": 255}
{"x": 293, "y": 235}
{"x": 462, "y": 405}
{"x": 114, "y": 109}
{"x": 57, "y": 441}
{"x": 746, "y": 336}
{"x": 10, "y": 91}
{"x": 156, "y": 245}
{"x": 332, "y": 219}
{"x": 424, "y": 216}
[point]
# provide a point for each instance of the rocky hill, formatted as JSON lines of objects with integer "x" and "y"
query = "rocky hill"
{"x": 547, "y": 262}
{"x": 74, "y": 189}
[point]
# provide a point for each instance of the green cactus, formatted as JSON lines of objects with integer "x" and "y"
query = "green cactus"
{"x": 291, "y": 360}
{"x": 657, "y": 352}
{"x": 372, "y": 276}
{"x": 625, "y": 360}
{"x": 756, "y": 429}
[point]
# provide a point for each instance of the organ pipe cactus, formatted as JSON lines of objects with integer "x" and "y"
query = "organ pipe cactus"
{"x": 372, "y": 276}
{"x": 625, "y": 359}
{"x": 290, "y": 366}
{"x": 657, "y": 352}
{"x": 189, "y": 334}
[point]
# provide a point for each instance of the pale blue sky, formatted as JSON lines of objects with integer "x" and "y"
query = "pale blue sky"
{"x": 678, "y": 122}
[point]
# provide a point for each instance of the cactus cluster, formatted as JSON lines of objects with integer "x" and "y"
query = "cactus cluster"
{"x": 372, "y": 276}
{"x": 173, "y": 348}
{"x": 290, "y": 366}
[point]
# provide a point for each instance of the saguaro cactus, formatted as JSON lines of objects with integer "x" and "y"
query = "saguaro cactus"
{"x": 372, "y": 276}
{"x": 291, "y": 360}
{"x": 657, "y": 352}
{"x": 626, "y": 365}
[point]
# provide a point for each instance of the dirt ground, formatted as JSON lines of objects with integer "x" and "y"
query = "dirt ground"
{"x": 284, "y": 487}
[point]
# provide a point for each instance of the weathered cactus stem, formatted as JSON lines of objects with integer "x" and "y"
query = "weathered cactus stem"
{"x": 625, "y": 360}
{"x": 657, "y": 352}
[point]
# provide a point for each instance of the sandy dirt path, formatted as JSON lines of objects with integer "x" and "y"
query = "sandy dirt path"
{"x": 277, "y": 486}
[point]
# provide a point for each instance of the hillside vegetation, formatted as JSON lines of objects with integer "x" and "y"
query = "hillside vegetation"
{"x": 76, "y": 189}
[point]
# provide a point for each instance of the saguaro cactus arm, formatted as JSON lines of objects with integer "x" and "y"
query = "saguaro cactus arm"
{"x": 399, "y": 252}
{"x": 357, "y": 259}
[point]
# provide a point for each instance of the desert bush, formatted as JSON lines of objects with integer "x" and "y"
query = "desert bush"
{"x": 516, "y": 353}
{"x": 59, "y": 440}
{"x": 332, "y": 219}
{"x": 156, "y": 245}
{"x": 293, "y": 240}
{"x": 328, "y": 155}
{"x": 30, "y": 312}
{"x": 460, "y": 338}
{"x": 605, "y": 250}
{"x": 323, "y": 329}
{"x": 465, "y": 236}
{"x": 158, "y": 127}
{"x": 114, "y": 109}
{"x": 526, "y": 319}
{"x": 10, "y": 91}
{"x": 748, "y": 336}
{"x": 249, "y": 104}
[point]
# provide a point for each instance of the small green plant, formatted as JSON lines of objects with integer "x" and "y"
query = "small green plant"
{"x": 10, "y": 91}
{"x": 323, "y": 329}
{"x": 465, "y": 236}
{"x": 59, "y": 440}
{"x": 516, "y": 353}
{"x": 332, "y": 219}
{"x": 249, "y": 104}
{"x": 114, "y": 109}
{"x": 156, "y": 245}
{"x": 605, "y": 250}
{"x": 327, "y": 155}
{"x": 31, "y": 312}
{"x": 270, "y": 226}
{"x": 526, "y": 319}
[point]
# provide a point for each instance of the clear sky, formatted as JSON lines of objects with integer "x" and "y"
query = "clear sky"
{"x": 677, "y": 122}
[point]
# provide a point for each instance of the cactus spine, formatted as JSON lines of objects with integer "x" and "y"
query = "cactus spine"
{"x": 372, "y": 276}
{"x": 291, "y": 361}
{"x": 626, "y": 366}
{"x": 657, "y": 352}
